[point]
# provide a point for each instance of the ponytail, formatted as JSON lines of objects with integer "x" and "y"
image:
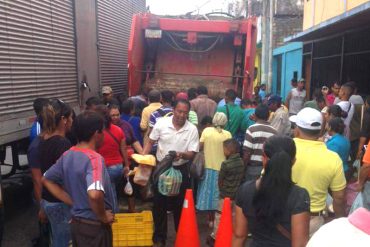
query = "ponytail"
{"x": 272, "y": 194}
{"x": 48, "y": 119}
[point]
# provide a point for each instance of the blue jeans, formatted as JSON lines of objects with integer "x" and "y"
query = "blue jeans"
{"x": 115, "y": 174}
{"x": 59, "y": 216}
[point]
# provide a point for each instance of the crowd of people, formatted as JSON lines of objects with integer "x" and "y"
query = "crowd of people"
{"x": 284, "y": 166}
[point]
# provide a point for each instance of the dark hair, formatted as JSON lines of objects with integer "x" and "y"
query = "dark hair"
{"x": 86, "y": 124}
{"x": 206, "y": 120}
{"x": 103, "y": 111}
{"x": 192, "y": 93}
{"x": 335, "y": 110}
{"x": 167, "y": 96}
{"x": 349, "y": 87}
{"x": 337, "y": 125}
{"x": 232, "y": 145}
{"x": 113, "y": 106}
{"x": 38, "y": 105}
{"x": 263, "y": 85}
{"x": 309, "y": 132}
{"x": 271, "y": 197}
{"x": 154, "y": 96}
{"x": 202, "y": 90}
{"x": 320, "y": 99}
{"x": 93, "y": 101}
{"x": 52, "y": 114}
{"x": 262, "y": 112}
{"x": 230, "y": 94}
{"x": 246, "y": 102}
{"x": 317, "y": 93}
{"x": 294, "y": 80}
{"x": 181, "y": 101}
{"x": 127, "y": 107}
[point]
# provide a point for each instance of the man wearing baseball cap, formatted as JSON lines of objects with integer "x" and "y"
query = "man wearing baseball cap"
{"x": 317, "y": 169}
{"x": 108, "y": 98}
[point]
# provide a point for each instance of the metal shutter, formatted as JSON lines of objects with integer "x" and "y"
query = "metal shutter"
{"x": 114, "y": 24}
{"x": 37, "y": 53}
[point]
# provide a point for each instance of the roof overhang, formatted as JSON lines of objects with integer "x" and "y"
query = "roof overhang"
{"x": 352, "y": 19}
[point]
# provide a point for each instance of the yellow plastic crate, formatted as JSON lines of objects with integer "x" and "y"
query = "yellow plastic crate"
{"x": 133, "y": 229}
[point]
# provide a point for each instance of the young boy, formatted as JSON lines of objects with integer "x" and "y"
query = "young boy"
{"x": 229, "y": 179}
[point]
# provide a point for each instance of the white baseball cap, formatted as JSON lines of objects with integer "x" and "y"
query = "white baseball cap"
{"x": 308, "y": 118}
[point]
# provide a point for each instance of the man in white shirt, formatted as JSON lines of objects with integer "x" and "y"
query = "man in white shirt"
{"x": 174, "y": 133}
{"x": 345, "y": 93}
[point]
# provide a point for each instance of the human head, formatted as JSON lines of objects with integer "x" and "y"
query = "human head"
{"x": 107, "y": 93}
{"x": 38, "y": 105}
{"x": 127, "y": 107}
{"x": 353, "y": 85}
{"x": 167, "y": 97}
{"x": 333, "y": 112}
{"x": 92, "y": 102}
{"x": 103, "y": 111}
{"x": 293, "y": 82}
{"x": 231, "y": 146}
{"x": 274, "y": 102}
{"x": 230, "y": 96}
{"x": 88, "y": 127}
{"x": 114, "y": 114}
{"x": 300, "y": 84}
{"x": 336, "y": 126}
{"x": 309, "y": 123}
{"x": 181, "y": 96}
{"x": 202, "y": 90}
{"x": 219, "y": 121}
{"x": 192, "y": 93}
{"x": 154, "y": 96}
{"x": 206, "y": 122}
{"x": 57, "y": 115}
{"x": 263, "y": 87}
{"x": 278, "y": 143}
{"x": 335, "y": 87}
{"x": 246, "y": 103}
{"x": 345, "y": 92}
{"x": 262, "y": 112}
{"x": 180, "y": 112}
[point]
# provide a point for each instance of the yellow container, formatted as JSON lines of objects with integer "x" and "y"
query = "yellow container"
{"x": 133, "y": 229}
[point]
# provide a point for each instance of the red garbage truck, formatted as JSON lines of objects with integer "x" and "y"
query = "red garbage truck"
{"x": 178, "y": 53}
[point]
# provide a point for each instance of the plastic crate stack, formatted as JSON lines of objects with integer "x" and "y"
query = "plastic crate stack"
{"x": 133, "y": 229}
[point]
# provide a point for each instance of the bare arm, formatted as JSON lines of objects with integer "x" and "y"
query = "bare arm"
{"x": 123, "y": 150}
{"x": 189, "y": 155}
{"x": 57, "y": 191}
{"x": 138, "y": 148}
{"x": 201, "y": 146}
{"x": 339, "y": 201}
{"x": 96, "y": 201}
{"x": 300, "y": 229}
{"x": 241, "y": 228}
{"x": 287, "y": 100}
{"x": 37, "y": 183}
{"x": 361, "y": 143}
{"x": 148, "y": 146}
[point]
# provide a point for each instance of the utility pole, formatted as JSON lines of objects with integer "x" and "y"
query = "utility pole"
{"x": 271, "y": 45}
{"x": 265, "y": 42}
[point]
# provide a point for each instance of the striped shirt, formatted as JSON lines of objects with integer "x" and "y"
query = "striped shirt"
{"x": 255, "y": 137}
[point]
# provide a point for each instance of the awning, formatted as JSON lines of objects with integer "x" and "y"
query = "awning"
{"x": 354, "y": 18}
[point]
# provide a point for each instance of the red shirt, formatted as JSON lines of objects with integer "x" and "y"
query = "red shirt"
{"x": 110, "y": 150}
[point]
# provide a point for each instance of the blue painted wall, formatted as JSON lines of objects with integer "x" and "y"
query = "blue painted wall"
{"x": 291, "y": 62}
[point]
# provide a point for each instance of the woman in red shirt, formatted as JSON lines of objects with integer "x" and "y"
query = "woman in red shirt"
{"x": 113, "y": 151}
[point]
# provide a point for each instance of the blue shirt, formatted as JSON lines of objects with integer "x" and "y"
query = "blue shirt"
{"x": 78, "y": 171}
{"x": 262, "y": 94}
{"x": 341, "y": 145}
{"x": 222, "y": 102}
{"x": 135, "y": 123}
{"x": 33, "y": 153}
{"x": 35, "y": 130}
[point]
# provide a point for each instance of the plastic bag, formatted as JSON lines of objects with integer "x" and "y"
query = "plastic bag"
{"x": 128, "y": 188}
{"x": 169, "y": 182}
{"x": 142, "y": 174}
{"x": 198, "y": 166}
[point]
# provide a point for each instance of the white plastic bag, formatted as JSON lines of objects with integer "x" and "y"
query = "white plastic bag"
{"x": 128, "y": 188}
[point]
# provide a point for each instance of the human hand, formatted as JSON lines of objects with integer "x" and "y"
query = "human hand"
{"x": 108, "y": 218}
{"x": 126, "y": 170}
{"x": 42, "y": 216}
{"x": 359, "y": 187}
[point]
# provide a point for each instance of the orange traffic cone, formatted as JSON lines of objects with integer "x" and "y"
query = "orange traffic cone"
{"x": 187, "y": 234}
{"x": 225, "y": 229}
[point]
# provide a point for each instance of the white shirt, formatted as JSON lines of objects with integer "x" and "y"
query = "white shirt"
{"x": 350, "y": 109}
{"x": 185, "y": 139}
{"x": 296, "y": 101}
